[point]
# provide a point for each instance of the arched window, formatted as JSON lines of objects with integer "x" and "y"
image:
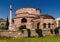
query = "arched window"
{"x": 44, "y": 25}
{"x": 49, "y": 25}
{"x": 24, "y": 20}
{"x": 52, "y": 25}
{"x": 13, "y": 21}
{"x": 38, "y": 25}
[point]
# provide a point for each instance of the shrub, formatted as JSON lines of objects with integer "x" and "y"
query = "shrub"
{"x": 3, "y": 28}
{"x": 57, "y": 30}
{"x": 29, "y": 32}
{"x": 51, "y": 30}
{"x": 21, "y": 28}
{"x": 39, "y": 32}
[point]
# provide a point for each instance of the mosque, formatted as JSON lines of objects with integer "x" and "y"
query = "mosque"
{"x": 31, "y": 18}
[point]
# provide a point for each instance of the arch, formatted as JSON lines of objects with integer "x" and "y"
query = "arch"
{"x": 24, "y": 20}
{"x": 49, "y": 25}
{"x": 52, "y": 25}
{"x": 44, "y": 25}
{"x": 13, "y": 21}
{"x": 38, "y": 25}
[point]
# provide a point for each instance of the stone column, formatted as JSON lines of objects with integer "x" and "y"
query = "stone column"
{"x": 10, "y": 21}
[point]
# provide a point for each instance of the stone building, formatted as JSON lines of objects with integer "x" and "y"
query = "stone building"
{"x": 57, "y": 22}
{"x": 2, "y": 22}
{"x": 31, "y": 18}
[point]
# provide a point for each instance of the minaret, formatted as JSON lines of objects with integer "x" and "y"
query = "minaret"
{"x": 10, "y": 20}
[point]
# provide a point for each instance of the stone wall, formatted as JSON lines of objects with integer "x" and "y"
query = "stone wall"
{"x": 14, "y": 34}
{"x": 19, "y": 34}
{"x": 47, "y": 32}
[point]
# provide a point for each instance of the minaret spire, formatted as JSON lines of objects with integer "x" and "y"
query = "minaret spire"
{"x": 10, "y": 21}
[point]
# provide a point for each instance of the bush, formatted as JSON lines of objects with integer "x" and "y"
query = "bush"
{"x": 57, "y": 30}
{"x": 29, "y": 32}
{"x": 3, "y": 28}
{"x": 39, "y": 32}
{"x": 51, "y": 30}
{"x": 21, "y": 28}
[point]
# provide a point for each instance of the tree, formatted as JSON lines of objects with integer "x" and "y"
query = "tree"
{"x": 7, "y": 23}
{"x": 22, "y": 27}
{"x": 39, "y": 32}
{"x": 57, "y": 30}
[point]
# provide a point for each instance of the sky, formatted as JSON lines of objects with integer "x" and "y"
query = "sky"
{"x": 50, "y": 7}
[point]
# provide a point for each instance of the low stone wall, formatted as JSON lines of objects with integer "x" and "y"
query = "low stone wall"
{"x": 33, "y": 33}
{"x": 19, "y": 34}
{"x": 47, "y": 32}
{"x": 14, "y": 34}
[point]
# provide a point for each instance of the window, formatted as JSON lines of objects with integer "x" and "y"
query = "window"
{"x": 44, "y": 25}
{"x": 49, "y": 25}
{"x": 13, "y": 21}
{"x": 24, "y": 20}
{"x": 38, "y": 25}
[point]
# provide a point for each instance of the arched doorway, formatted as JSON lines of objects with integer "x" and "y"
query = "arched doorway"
{"x": 38, "y": 25}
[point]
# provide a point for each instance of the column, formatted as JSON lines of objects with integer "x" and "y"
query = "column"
{"x": 10, "y": 21}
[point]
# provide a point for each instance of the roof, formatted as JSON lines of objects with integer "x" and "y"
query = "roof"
{"x": 46, "y": 16}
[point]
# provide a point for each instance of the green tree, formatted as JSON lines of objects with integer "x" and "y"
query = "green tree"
{"x": 39, "y": 32}
{"x": 57, "y": 30}
{"x": 21, "y": 28}
{"x": 7, "y": 23}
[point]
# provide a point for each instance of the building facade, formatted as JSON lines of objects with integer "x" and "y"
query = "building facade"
{"x": 2, "y": 22}
{"x": 57, "y": 22}
{"x": 31, "y": 18}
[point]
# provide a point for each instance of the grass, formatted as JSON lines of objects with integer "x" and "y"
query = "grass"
{"x": 36, "y": 39}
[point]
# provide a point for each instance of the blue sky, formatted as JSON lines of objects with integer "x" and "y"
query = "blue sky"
{"x": 50, "y": 7}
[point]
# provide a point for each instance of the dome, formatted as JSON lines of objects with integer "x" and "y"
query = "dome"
{"x": 30, "y": 10}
